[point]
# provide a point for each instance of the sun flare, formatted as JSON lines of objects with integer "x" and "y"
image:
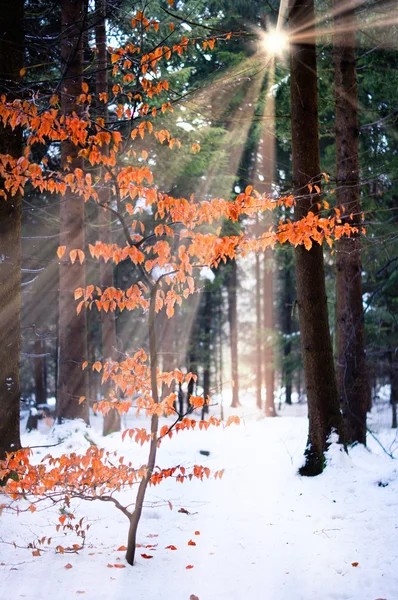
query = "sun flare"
{"x": 275, "y": 42}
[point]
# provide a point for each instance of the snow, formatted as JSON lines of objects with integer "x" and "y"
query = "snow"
{"x": 265, "y": 532}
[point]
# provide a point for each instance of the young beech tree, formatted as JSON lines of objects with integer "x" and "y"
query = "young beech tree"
{"x": 184, "y": 237}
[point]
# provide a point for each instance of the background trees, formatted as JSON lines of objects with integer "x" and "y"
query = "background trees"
{"x": 219, "y": 103}
{"x": 11, "y": 63}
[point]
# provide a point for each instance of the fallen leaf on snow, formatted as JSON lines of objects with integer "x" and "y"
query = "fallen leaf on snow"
{"x": 122, "y": 548}
{"x": 146, "y": 556}
{"x": 191, "y": 543}
{"x": 68, "y": 566}
{"x": 189, "y": 567}
{"x": 355, "y": 564}
{"x": 171, "y": 547}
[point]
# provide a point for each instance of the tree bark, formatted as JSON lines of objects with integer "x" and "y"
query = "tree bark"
{"x": 208, "y": 313}
{"x": 352, "y": 380}
{"x": 233, "y": 330}
{"x": 139, "y": 503}
{"x": 259, "y": 379}
{"x": 11, "y": 62}
{"x": 268, "y": 307}
{"x": 287, "y": 325}
{"x": 108, "y": 321}
{"x": 72, "y": 380}
{"x": 40, "y": 371}
{"x": 267, "y": 152}
{"x": 394, "y": 387}
{"x": 323, "y": 406}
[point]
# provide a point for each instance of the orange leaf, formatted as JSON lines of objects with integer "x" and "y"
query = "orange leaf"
{"x": 197, "y": 532}
{"x": 355, "y": 564}
{"x": 189, "y": 567}
{"x": 146, "y": 556}
{"x": 85, "y": 87}
{"x": 36, "y": 553}
{"x": 84, "y": 365}
{"x": 171, "y": 547}
{"x": 61, "y": 251}
{"x": 68, "y": 566}
{"x": 22, "y": 72}
{"x": 119, "y": 566}
{"x": 73, "y": 255}
{"x": 82, "y": 399}
{"x": 191, "y": 543}
{"x": 122, "y": 548}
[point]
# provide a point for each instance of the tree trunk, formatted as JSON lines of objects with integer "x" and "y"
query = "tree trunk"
{"x": 208, "y": 313}
{"x": 287, "y": 325}
{"x": 139, "y": 503}
{"x": 394, "y": 387}
{"x": 352, "y": 381}
{"x": 259, "y": 380}
{"x": 72, "y": 380}
{"x": 233, "y": 330}
{"x": 268, "y": 307}
{"x": 323, "y": 406}
{"x": 11, "y": 62}
{"x": 108, "y": 322}
{"x": 267, "y": 153}
{"x": 40, "y": 371}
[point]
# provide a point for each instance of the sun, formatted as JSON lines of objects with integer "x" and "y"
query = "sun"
{"x": 275, "y": 42}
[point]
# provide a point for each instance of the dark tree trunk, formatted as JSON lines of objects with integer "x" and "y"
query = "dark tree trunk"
{"x": 394, "y": 387}
{"x": 72, "y": 380}
{"x": 11, "y": 62}
{"x": 192, "y": 368}
{"x": 233, "y": 330}
{"x": 108, "y": 322}
{"x": 323, "y": 406}
{"x": 352, "y": 381}
{"x": 40, "y": 371}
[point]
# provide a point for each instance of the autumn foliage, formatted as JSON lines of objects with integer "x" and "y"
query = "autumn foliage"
{"x": 183, "y": 237}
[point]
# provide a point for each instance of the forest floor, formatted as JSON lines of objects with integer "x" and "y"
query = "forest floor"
{"x": 265, "y": 532}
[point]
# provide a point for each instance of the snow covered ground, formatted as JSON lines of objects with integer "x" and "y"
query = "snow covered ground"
{"x": 265, "y": 532}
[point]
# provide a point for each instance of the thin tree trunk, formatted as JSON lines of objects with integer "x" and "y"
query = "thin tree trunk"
{"x": 258, "y": 332}
{"x": 108, "y": 322}
{"x": 233, "y": 330}
{"x": 323, "y": 406}
{"x": 267, "y": 153}
{"x": 208, "y": 313}
{"x": 268, "y": 307}
{"x": 11, "y": 62}
{"x": 352, "y": 381}
{"x": 153, "y": 352}
{"x": 394, "y": 387}
{"x": 40, "y": 371}
{"x": 72, "y": 380}
{"x": 287, "y": 325}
